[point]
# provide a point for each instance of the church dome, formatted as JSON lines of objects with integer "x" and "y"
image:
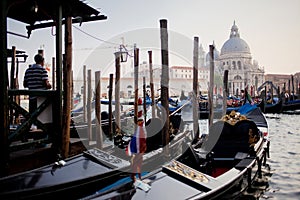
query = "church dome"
{"x": 235, "y": 44}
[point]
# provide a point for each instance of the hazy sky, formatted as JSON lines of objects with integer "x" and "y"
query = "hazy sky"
{"x": 270, "y": 27}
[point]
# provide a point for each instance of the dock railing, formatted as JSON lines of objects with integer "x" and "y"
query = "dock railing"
{"x": 22, "y": 130}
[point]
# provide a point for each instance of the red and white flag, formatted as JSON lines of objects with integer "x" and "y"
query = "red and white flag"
{"x": 137, "y": 143}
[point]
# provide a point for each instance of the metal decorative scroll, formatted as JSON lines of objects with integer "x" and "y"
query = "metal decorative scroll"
{"x": 185, "y": 171}
{"x": 107, "y": 159}
{"x": 233, "y": 117}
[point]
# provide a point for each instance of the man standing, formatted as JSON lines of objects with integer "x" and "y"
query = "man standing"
{"x": 36, "y": 78}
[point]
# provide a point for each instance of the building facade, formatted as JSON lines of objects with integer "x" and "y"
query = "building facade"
{"x": 289, "y": 83}
{"x": 236, "y": 57}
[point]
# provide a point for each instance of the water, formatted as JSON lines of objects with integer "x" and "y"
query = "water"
{"x": 284, "y": 158}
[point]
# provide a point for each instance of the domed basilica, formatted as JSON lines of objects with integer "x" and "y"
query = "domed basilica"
{"x": 235, "y": 56}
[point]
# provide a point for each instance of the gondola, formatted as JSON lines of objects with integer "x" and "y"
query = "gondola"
{"x": 204, "y": 109}
{"x": 64, "y": 177}
{"x": 291, "y": 105}
{"x": 79, "y": 175}
{"x": 275, "y": 107}
{"x": 223, "y": 163}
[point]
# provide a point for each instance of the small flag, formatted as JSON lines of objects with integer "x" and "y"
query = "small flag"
{"x": 137, "y": 143}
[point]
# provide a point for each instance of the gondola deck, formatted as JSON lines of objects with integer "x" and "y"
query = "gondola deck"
{"x": 198, "y": 174}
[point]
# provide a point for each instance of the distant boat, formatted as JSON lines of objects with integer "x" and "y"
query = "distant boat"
{"x": 291, "y": 105}
{"x": 76, "y": 101}
{"x": 227, "y": 160}
{"x": 259, "y": 104}
{"x": 204, "y": 108}
{"x": 274, "y": 107}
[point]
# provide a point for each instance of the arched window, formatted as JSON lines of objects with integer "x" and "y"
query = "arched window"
{"x": 239, "y": 65}
{"x": 233, "y": 65}
{"x": 237, "y": 77}
{"x": 129, "y": 90}
{"x": 256, "y": 81}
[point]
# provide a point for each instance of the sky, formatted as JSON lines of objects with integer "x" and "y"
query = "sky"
{"x": 271, "y": 28}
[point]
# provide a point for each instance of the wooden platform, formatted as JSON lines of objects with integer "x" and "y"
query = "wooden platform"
{"x": 39, "y": 156}
{"x": 28, "y": 159}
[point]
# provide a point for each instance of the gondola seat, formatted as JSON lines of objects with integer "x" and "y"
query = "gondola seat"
{"x": 226, "y": 140}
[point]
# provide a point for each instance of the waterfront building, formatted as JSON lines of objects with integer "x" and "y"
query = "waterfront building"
{"x": 236, "y": 57}
{"x": 284, "y": 82}
{"x": 181, "y": 77}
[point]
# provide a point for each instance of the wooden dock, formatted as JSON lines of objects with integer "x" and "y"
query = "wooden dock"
{"x": 42, "y": 154}
{"x": 30, "y": 154}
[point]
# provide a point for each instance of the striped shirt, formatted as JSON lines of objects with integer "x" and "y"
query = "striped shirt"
{"x": 35, "y": 77}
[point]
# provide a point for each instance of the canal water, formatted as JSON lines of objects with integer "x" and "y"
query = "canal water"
{"x": 284, "y": 161}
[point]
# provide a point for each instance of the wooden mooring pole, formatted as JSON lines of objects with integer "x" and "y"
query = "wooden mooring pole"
{"x": 144, "y": 101}
{"x": 289, "y": 87}
{"x": 17, "y": 97}
{"x": 53, "y": 73}
{"x": 99, "y": 137}
{"x": 151, "y": 84}
{"x": 72, "y": 90}
{"x": 297, "y": 87}
{"x": 67, "y": 98}
{"x": 12, "y": 77}
{"x": 89, "y": 105}
{"x": 136, "y": 84}
{"x": 84, "y": 93}
{"x": 195, "y": 101}
{"x": 211, "y": 84}
{"x": 57, "y": 108}
{"x": 293, "y": 88}
{"x": 165, "y": 84}
{"x": 110, "y": 126}
{"x": 117, "y": 92}
{"x": 225, "y": 92}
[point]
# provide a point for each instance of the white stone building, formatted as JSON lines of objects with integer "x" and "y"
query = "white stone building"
{"x": 236, "y": 57}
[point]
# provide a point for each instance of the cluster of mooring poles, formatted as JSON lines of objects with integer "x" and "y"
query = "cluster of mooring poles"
{"x": 61, "y": 98}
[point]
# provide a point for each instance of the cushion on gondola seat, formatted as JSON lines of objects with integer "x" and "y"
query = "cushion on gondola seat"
{"x": 227, "y": 140}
